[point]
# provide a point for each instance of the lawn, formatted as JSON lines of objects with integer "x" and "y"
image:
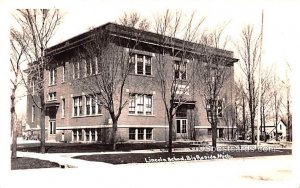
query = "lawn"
{"x": 99, "y": 147}
{"x": 170, "y": 157}
{"x": 30, "y": 163}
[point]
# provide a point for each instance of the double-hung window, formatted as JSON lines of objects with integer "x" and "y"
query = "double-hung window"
{"x": 63, "y": 106}
{"x": 220, "y": 108}
{"x": 63, "y": 72}
{"x": 140, "y": 104}
{"x": 52, "y": 127}
{"x": 76, "y": 70}
{"x": 140, "y": 64}
{"x": 180, "y": 70}
{"x": 77, "y": 109}
{"x": 92, "y": 105}
{"x": 52, "y": 76}
{"x": 32, "y": 113}
{"x": 90, "y": 67}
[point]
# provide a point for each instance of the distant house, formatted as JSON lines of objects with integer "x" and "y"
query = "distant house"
{"x": 281, "y": 129}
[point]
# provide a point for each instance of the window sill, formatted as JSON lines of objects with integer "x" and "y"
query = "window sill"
{"x": 133, "y": 74}
{"x": 141, "y": 115}
{"x": 54, "y": 100}
{"x": 140, "y": 140}
{"x": 83, "y": 116}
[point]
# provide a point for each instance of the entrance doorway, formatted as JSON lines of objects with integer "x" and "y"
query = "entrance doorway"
{"x": 52, "y": 126}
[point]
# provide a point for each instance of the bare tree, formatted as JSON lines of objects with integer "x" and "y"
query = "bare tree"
{"x": 249, "y": 53}
{"x": 276, "y": 103}
{"x": 174, "y": 88}
{"x": 107, "y": 52}
{"x": 134, "y": 20}
{"x": 286, "y": 105}
{"x": 16, "y": 59}
{"x": 214, "y": 71}
{"x": 241, "y": 111}
{"x": 37, "y": 27}
{"x": 266, "y": 97}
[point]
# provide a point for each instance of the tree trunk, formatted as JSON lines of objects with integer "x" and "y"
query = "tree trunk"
{"x": 214, "y": 125}
{"x": 252, "y": 131}
{"x": 244, "y": 118}
{"x": 170, "y": 132}
{"x": 289, "y": 132}
{"x": 14, "y": 126}
{"x": 114, "y": 135}
{"x": 214, "y": 136}
{"x": 42, "y": 123}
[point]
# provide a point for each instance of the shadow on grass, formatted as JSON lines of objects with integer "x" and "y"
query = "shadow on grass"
{"x": 31, "y": 163}
{"x": 125, "y": 158}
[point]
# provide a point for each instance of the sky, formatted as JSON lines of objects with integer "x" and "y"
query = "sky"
{"x": 279, "y": 33}
{"x": 279, "y": 20}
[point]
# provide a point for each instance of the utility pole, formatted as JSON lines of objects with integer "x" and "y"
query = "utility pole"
{"x": 259, "y": 79}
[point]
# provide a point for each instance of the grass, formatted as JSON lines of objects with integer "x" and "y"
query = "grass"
{"x": 31, "y": 163}
{"x": 99, "y": 147}
{"x": 143, "y": 157}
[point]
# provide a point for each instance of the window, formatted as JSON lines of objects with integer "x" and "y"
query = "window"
{"x": 75, "y": 134}
{"x": 77, "y": 108}
{"x": 132, "y": 64}
{"x": 132, "y": 104}
{"x": 76, "y": 70}
{"x": 182, "y": 89}
{"x": 140, "y": 133}
{"x": 87, "y": 134}
{"x": 140, "y": 64}
{"x": 181, "y": 112}
{"x": 80, "y": 138}
{"x": 208, "y": 109}
{"x": 140, "y": 104}
{"x": 93, "y": 135}
{"x": 32, "y": 85}
{"x": 148, "y": 103}
{"x": 131, "y": 133}
{"x": 63, "y": 106}
{"x": 90, "y": 67}
{"x": 88, "y": 105}
{"x": 92, "y": 105}
{"x": 180, "y": 70}
{"x": 181, "y": 125}
{"x": 52, "y": 76}
{"x": 63, "y": 72}
{"x": 148, "y": 134}
{"x": 32, "y": 113}
{"x": 52, "y": 127}
{"x": 220, "y": 108}
{"x": 52, "y": 96}
{"x": 209, "y": 131}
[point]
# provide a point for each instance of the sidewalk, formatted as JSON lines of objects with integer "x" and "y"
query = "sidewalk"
{"x": 65, "y": 160}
